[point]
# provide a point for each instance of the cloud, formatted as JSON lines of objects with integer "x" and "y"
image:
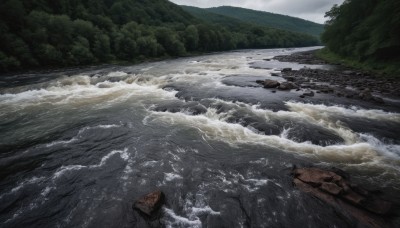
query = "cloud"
{"x": 313, "y": 10}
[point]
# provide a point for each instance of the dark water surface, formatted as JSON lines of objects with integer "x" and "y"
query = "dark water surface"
{"x": 77, "y": 147}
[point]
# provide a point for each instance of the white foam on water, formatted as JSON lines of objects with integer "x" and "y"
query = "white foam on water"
{"x": 213, "y": 126}
{"x": 204, "y": 210}
{"x": 76, "y": 138}
{"x": 317, "y": 118}
{"x": 172, "y": 176}
{"x": 320, "y": 110}
{"x": 61, "y": 171}
{"x": 47, "y": 190}
{"x": 173, "y": 220}
{"x": 83, "y": 89}
{"x": 55, "y": 143}
{"x": 21, "y": 185}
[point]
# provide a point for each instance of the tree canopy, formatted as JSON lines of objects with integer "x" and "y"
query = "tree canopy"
{"x": 260, "y": 18}
{"x": 42, "y": 33}
{"x": 364, "y": 30}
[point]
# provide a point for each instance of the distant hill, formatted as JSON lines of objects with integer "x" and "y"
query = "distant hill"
{"x": 259, "y": 18}
{"x": 214, "y": 18}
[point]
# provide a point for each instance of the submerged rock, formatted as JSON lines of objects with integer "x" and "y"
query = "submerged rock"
{"x": 149, "y": 204}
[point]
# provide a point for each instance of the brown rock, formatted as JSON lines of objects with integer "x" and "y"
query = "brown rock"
{"x": 331, "y": 188}
{"x": 150, "y": 203}
{"x": 314, "y": 176}
{"x": 353, "y": 197}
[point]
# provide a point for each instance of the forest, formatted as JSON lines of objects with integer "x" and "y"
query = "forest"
{"x": 59, "y": 33}
{"x": 262, "y": 18}
{"x": 366, "y": 31}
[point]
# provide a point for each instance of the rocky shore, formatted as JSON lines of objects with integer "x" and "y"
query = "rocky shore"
{"x": 342, "y": 81}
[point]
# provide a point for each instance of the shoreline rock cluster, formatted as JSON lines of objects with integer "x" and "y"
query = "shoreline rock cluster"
{"x": 342, "y": 82}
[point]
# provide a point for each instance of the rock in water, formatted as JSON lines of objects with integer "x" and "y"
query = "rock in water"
{"x": 309, "y": 93}
{"x": 271, "y": 84}
{"x": 286, "y": 70}
{"x": 287, "y": 86}
{"x": 150, "y": 203}
{"x": 334, "y": 188}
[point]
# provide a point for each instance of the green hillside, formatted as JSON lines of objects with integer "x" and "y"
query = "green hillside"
{"x": 267, "y": 19}
{"x": 365, "y": 33}
{"x": 54, "y": 33}
{"x": 214, "y": 18}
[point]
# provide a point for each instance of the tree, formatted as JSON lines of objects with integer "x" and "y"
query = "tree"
{"x": 191, "y": 38}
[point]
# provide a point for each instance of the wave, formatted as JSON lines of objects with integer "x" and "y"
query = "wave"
{"x": 329, "y": 111}
{"x": 82, "y": 89}
{"x": 80, "y": 132}
{"x": 21, "y": 185}
{"x": 64, "y": 169}
{"x": 213, "y": 125}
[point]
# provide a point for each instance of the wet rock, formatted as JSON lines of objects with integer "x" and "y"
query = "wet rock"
{"x": 334, "y": 188}
{"x": 308, "y": 93}
{"x": 275, "y": 74}
{"x": 331, "y": 188}
{"x": 313, "y": 176}
{"x": 286, "y": 69}
{"x": 271, "y": 83}
{"x": 302, "y": 96}
{"x": 149, "y": 204}
{"x": 290, "y": 79}
{"x": 353, "y": 197}
{"x": 287, "y": 86}
{"x": 365, "y": 95}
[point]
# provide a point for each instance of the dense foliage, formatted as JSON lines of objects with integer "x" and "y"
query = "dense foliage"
{"x": 35, "y": 33}
{"x": 364, "y": 30}
{"x": 261, "y": 18}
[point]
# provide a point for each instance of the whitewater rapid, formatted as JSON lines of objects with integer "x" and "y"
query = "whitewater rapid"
{"x": 85, "y": 143}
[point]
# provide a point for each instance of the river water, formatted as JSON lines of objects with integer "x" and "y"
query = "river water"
{"x": 77, "y": 147}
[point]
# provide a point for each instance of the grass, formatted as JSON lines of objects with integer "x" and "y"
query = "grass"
{"x": 380, "y": 69}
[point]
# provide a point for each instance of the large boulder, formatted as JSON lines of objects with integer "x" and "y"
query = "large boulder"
{"x": 327, "y": 184}
{"x": 287, "y": 86}
{"x": 271, "y": 83}
{"x": 149, "y": 204}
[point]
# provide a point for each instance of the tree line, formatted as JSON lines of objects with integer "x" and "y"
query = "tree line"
{"x": 365, "y": 30}
{"x": 42, "y": 33}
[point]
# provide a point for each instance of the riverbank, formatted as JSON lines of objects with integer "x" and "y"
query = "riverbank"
{"x": 342, "y": 81}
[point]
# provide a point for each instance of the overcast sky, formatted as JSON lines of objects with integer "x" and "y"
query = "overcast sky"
{"x": 313, "y": 10}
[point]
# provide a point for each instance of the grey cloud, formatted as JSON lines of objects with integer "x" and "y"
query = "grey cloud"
{"x": 313, "y": 10}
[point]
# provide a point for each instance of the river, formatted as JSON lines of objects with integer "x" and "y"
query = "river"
{"x": 77, "y": 147}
